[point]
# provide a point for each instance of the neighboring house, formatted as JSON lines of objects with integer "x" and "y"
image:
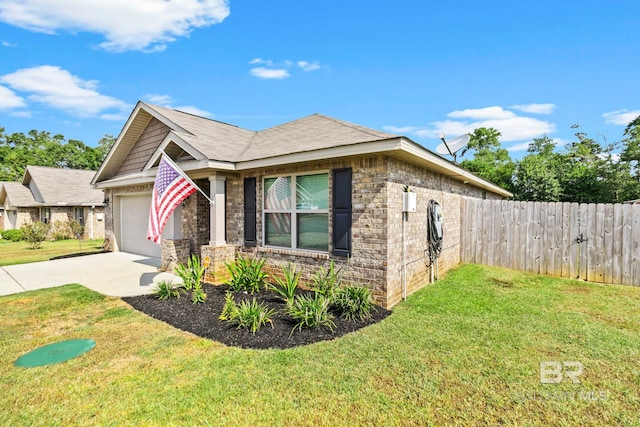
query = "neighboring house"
{"x": 308, "y": 191}
{"x": 51, "y": 195}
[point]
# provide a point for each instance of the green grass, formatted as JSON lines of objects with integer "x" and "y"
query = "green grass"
{"x": 21, "y": 253}
{"x": 464, "y": 351}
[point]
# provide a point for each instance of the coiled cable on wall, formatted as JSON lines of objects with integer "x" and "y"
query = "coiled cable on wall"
{"x": 434, "y": 242}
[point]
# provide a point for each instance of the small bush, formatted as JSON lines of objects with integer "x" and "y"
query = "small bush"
{"x": 229, "y": 308}
{"x": 197, "y": 294}
{"x": 191, "y": 274}
{"x": 287, "y": 286}
{"x": 252, "y": 315}
{"x": 310, "y": 312}
{"x": 166, "y": 289}
{"x": 353, "y": 302}
{"x": 14, "y": 235}
{"x": 35, "y": 233}
{"x": 327, "y": 281}
{"x": 246, "y": 274}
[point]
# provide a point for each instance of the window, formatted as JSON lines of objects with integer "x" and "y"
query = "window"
{"x": 45, "y": 215}
{"x": 79, "y": 215}
{"x": 297, "y": 219}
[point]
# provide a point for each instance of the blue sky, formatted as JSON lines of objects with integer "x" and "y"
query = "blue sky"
{"x": 417, "y": 68}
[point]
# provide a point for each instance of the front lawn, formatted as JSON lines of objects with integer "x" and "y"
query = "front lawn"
{"x": 21, "y": 253}
{"x": 465, "y": 351}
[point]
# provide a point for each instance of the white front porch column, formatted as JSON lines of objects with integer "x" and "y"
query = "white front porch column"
{"x": 217, "y": 215}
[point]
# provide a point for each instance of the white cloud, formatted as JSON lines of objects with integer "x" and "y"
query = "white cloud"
{"x": 308, "y": 66}
{"x": 168, "y": 102}
{"x": 7, "y": 44}
{"x": 59, "y": 89}
{"x": 487, "y": 113}
{"x": 512, "y": 126}
{"x": 9, "y": 99}
{"x": 403, "y": 130}
{"x": 519, "y": 147}
{"x": 146, "y": 25}
{"x": 535, "y": 108}
{"x": 267, "y": 73}
{"x": 621, "y": 117}
{"x": 279, "y": 70}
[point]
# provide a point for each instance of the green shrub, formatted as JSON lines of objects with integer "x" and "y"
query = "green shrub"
{"x": 197, "y": 294}
{"x": 251, "y": 315}
{"x": 15, "y": 235}
{"x": 35, "y": 233}
{"x": 166, "y": 289}
{"x": 191, "y": 274}
{"x": 353, "y": 302}
{"x": 310, "y": 312}
{"x": 246, "y": 274}
{"x": 327, "y": 281}
{"x": 64, "y": 230}
{"x": 229, "y": 308}
{"x": 287, "y": 286}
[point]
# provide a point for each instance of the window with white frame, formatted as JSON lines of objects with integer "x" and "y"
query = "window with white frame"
{"x": 45, "y": 215}
{"x": 296, "y": 211}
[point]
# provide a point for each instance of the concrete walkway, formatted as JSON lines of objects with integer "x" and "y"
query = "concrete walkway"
{"x": 113, "y": 273}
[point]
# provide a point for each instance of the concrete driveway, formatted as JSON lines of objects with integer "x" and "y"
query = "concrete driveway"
{"x": 113, "y": 273}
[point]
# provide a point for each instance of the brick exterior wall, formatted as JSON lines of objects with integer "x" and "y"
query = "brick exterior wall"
{"x": 63, "y": 214}
{"x": 377, "y": 224}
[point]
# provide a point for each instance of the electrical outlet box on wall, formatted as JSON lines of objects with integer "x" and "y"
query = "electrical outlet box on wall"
{"x": 409, "y": 202}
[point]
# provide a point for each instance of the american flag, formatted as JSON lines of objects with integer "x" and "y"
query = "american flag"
{"x": 169, "y": 190}
{"x": 278, "y": 195}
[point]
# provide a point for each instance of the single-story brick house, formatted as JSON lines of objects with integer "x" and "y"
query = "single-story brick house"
{"x": 53, "y": 195}
{"x": 347, "y": 205}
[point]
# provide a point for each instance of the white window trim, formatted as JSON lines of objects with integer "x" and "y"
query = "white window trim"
{"x": 293, "y": 211}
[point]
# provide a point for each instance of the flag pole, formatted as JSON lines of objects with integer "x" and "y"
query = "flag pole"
{"x": 184, "y": 175}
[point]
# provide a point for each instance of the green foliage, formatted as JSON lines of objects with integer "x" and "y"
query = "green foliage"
{"x": 63, "y": 230}
{"x": 246, "y": 274}
{"x": 41, "y": 148}
{"x": 287, "y": 286}
{"x": 310, "y": 312}
{"x": 490, "y": 161}
{"x": 191, "y": 274}
{"x": 35, "y": 233}
{"x": 15, "y": 235}
{"x": 198, "y": 295}
{"x": 251, "y": 315}
{"x": 229, "y": 307}
{"x": 327, "y": 281}
{"x": 165, "y": 289}
{"x": 353, "y": 302}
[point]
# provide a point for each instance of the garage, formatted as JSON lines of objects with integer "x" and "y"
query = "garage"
{"x": 134, "y": 218}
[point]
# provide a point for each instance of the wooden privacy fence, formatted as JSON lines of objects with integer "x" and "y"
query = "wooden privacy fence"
{"x": 594, "y": 242}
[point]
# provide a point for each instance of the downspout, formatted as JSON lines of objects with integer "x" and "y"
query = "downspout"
{"x": 404, "y": 256}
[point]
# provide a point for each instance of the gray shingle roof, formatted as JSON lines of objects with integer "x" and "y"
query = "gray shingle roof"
{"x": 18, "y": 195}
{"x": 69, "y": 187}
{"x": 225, "y": 142}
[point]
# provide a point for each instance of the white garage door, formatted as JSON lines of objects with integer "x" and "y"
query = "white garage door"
{"x": 134, "y": 216}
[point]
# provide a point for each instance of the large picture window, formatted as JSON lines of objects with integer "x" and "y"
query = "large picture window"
{"x": 296, "y": 211}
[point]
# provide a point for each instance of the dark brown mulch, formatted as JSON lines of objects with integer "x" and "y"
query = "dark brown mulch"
{"x": 202, "y": 320}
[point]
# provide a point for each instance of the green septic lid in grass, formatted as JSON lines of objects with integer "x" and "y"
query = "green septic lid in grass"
{"x": 55, "y": 353}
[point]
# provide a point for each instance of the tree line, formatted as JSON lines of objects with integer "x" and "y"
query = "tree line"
{"x": 41, "y": 148}
{"x": 584, "y": 171}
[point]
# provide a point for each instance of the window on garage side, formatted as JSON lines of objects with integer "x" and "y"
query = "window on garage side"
{"x": 45, "y": 215}
{"x": 79, "y": 215}
{"x": 296, "y": 211}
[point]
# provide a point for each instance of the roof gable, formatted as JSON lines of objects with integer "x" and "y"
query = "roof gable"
{"x": 16, "y": 195}
{"x": 68, "y": 187}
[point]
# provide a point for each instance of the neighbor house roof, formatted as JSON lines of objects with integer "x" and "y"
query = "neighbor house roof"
{"x": 215, "y": 145}
{"x": 16, "y": 195}
{"x": 67, "y": 187}
{"x": 44, "y": 186}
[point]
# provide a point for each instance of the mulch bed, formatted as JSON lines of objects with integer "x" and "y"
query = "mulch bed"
{"x": 202, "y": 320}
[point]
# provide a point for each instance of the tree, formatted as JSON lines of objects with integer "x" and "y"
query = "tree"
{"x": 536, "y": 176}
{"x": 490, "y": 161}
{"x": 41, "y": 148}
